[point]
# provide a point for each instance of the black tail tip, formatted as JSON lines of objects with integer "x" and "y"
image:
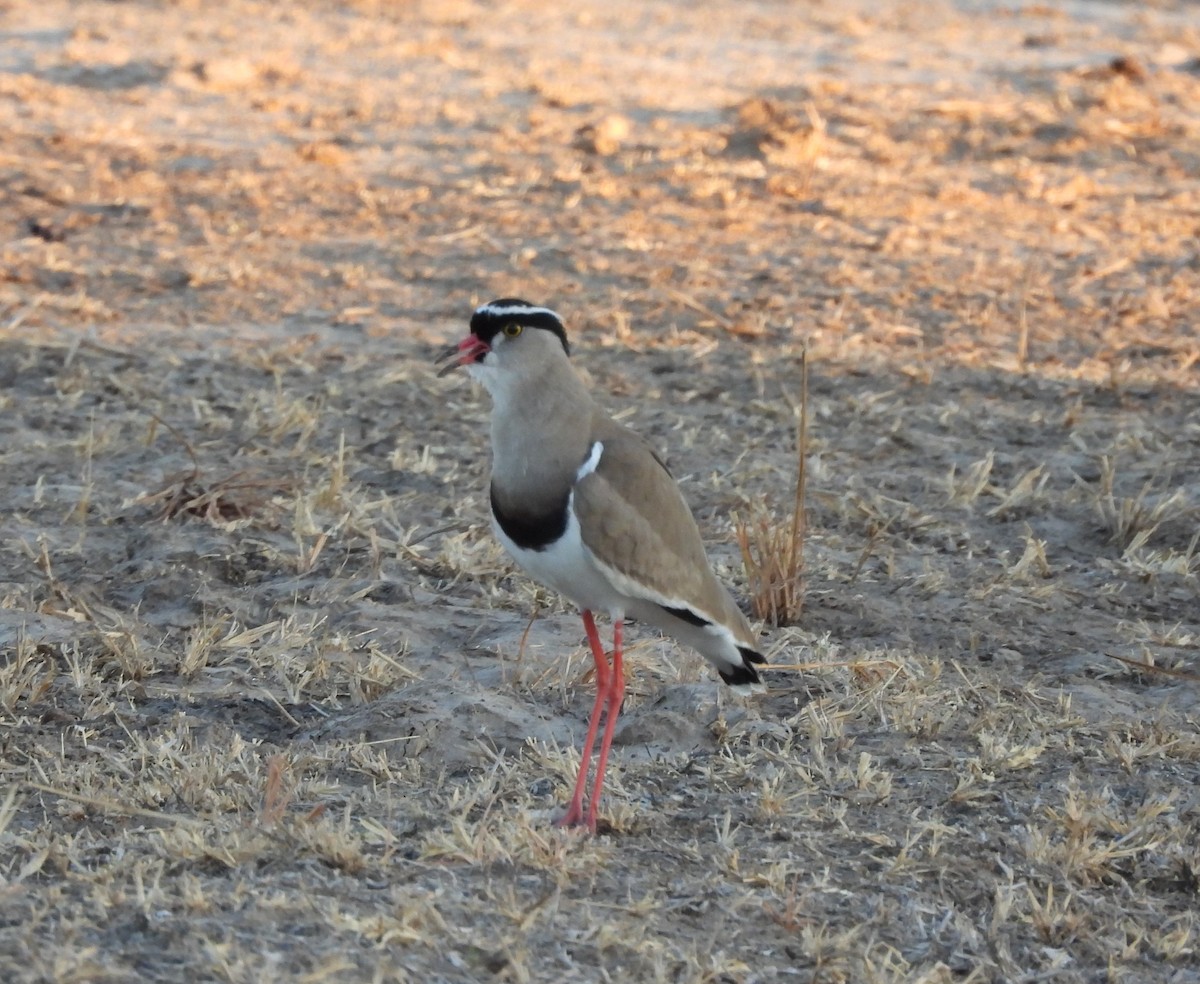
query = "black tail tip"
{"x": 745, "y": 675}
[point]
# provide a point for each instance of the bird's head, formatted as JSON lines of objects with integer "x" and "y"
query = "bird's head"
{"x": 509, "y": 338}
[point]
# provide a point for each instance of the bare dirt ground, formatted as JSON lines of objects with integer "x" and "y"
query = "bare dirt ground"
{"x": 271, "y": 705}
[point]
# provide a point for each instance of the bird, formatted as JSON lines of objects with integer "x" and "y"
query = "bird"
{"x": 588, "y": 508}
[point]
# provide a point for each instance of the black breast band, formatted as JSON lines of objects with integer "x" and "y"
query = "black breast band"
{"x": 532, "y": 529}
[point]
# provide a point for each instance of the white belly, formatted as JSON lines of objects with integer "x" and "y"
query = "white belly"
{"x": 567, "y": 566}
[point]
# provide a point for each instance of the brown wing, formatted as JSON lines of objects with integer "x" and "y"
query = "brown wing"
{"x": 635, "y": 521}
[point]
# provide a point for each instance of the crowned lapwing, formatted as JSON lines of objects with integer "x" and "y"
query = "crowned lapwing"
{"x": 586, "y": 507}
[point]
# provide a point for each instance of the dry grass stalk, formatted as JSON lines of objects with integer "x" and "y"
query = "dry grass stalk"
{"x": 813, "y": 666}
{"x": 109, "y": 806}
{"x": 772, "y": 551}
{"x": 1151, "y": 668}
{"x": 277, "y": 793}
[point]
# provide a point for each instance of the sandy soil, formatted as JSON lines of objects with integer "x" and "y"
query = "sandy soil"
{"x": 273, "y": 704}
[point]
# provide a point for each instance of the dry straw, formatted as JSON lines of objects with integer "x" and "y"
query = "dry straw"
{"x": 773, "y": 550}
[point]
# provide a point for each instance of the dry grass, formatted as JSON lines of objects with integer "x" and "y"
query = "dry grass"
{"x": 272, "y": 706}
{"x": 772, "y": 547}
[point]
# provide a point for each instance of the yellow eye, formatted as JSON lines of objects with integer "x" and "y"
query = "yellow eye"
{"x": 512, "y": 331}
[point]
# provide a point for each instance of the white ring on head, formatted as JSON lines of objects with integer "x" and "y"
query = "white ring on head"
{"x": 510, "y": 309}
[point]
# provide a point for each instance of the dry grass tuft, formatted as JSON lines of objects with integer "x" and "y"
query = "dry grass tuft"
{"x": 223, "y": 500}
{"x": 772, "y": 548}
{"x": 1132, "y": 520}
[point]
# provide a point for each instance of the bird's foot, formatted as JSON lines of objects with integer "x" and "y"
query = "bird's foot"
{"x": 574, "y": 817}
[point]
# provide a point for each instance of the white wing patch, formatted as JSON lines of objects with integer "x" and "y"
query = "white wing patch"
{"x": 592, "y": 463}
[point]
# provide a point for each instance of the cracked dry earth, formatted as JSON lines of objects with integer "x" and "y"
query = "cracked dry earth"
{"x": 273, "y": 704}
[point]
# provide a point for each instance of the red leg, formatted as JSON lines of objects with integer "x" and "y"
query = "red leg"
{"x": 614, "y": 694}
{"x": 598, "y": 653}
{"x": 574, "y": 815}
